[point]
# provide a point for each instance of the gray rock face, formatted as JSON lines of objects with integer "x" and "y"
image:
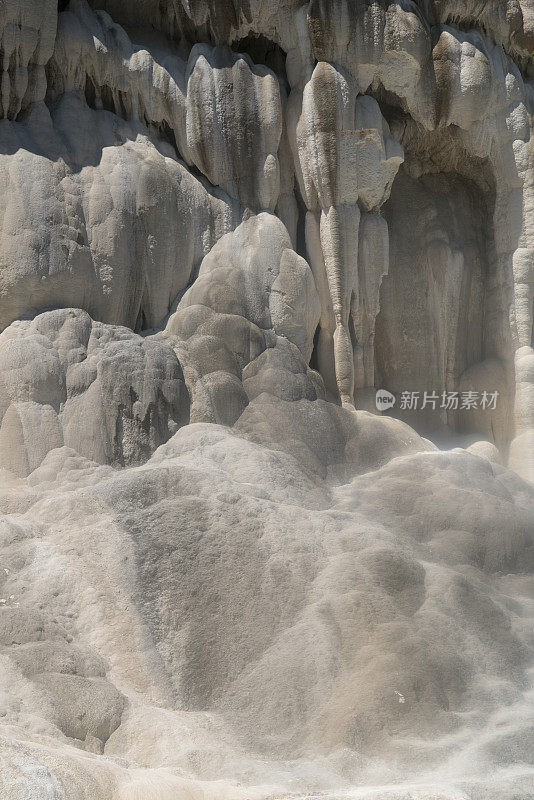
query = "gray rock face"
{"x": 234, "y": 124}
{"x": 224, "y": 572}
{"x": 27, "y": 41}
{"x": 104, "y": 249}
{"x": 103, "y": 390}
{"x": 247, "y": 323}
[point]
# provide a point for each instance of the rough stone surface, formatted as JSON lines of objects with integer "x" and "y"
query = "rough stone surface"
{"x": 246, "y": 325}
{"x": 224, "y": 225}
{"x": 111, "y": 395}
{"x": 249, "y": 583}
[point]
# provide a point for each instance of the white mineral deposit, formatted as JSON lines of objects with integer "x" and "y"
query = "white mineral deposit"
{"x": 267, "y": 400}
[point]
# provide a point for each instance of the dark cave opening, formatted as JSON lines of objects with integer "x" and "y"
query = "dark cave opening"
{"x": 143, "y": 322}
{"x": 436, "y": 323}
{"x": 104, "y": 99}
{"x": 314, "y": 360}
{"x": 262, "y": 50}
{"x": 165, "y": 133}
{"x": 90, "y": 92}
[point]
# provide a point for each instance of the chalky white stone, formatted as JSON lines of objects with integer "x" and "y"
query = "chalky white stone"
{"x": 224, "y": 225}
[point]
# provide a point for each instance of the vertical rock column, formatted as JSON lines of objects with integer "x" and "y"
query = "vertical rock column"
{"x": 521, "y": 457}
{"x": 234, "y": 124}
{"x": 509, "y": 337}
{"x": 345, "y": 161}
{"x": 27, "y": 34}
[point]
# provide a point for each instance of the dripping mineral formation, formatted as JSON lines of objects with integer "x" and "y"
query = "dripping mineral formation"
{"x": 224, "y": 226}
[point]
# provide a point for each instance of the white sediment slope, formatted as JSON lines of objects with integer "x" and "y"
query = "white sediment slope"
{"x": 224, "y": 225}
{"x": 222, "y": 621}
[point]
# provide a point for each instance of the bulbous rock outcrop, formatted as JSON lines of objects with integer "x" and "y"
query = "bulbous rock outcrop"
{"x": 254, "y": 295}
{"x": 101, "y": 390}
{"x": 254, "y": 273}
{"x": 119, "y": 202}
{"x": 234, "y": 124}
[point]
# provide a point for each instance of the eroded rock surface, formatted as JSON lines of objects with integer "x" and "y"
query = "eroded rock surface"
{"x": 65, "y": 380}
{"x": 224, "y": 225}
{"x": 247, "y": 583}
{"x": 247, "y": 324}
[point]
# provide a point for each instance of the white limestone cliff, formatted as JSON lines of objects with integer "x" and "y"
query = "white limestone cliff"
{"x": 224, "y": 225}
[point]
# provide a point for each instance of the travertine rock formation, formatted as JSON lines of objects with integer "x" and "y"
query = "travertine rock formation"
{"x": 264, "y": 628}
{"x": 83, "y": 193}
{"x": 246, "y": 325}
{"x": 224, "y": 225}
{"x": 346, "y": 160}
{"x": 66, "y": 380}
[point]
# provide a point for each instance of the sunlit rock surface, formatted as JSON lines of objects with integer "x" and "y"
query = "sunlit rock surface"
{"x": 224, "y": 225}
{"x": 66, "y": 380}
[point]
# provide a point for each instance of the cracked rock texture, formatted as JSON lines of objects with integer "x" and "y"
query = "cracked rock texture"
{"x": 224, "y": 225}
